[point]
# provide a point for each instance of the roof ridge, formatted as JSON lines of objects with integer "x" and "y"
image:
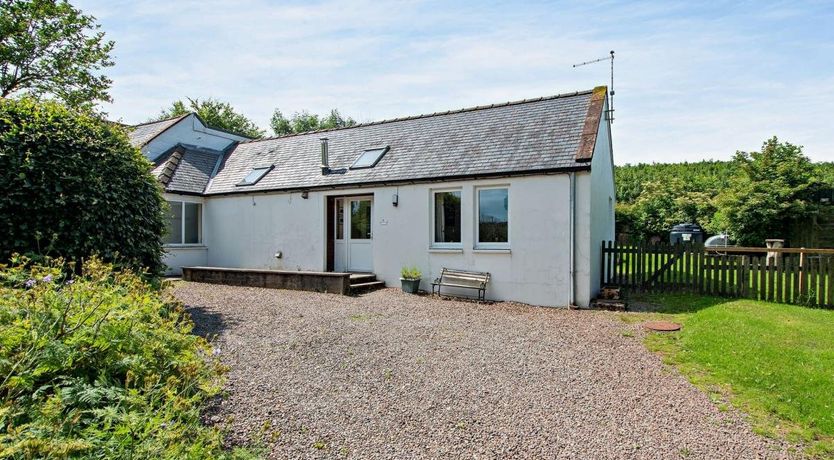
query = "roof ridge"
{"x": 198, "y": 149}
{"x": 160, "y": 121}
{"x": 427, "y": 115}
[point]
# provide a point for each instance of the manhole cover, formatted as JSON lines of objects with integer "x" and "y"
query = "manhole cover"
{"x": 662, "y": 326}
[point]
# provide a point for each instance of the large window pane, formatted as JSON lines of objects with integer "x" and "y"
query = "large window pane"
{"x": 360, "y": 220}
{"x": 173, "y": 231}
{"x": 447, "y": 217}
{"x": 493, "y": 213}
{"x": 192, "y": 223}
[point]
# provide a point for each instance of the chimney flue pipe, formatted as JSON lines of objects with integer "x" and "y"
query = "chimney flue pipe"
{"x": 325, "y": 154}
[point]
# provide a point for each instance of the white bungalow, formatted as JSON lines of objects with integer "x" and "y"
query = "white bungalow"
{"x": 523, "y": 190}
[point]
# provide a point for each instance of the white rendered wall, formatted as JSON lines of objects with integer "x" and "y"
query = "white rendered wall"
{"x": 189, "y": 131}
{"x": 582, "y": 252}
{"x": 603, "y": 198}
{"x": 247, "y": 231}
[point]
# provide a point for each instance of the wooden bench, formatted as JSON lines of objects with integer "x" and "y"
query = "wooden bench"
{"x": 462, "y": 279}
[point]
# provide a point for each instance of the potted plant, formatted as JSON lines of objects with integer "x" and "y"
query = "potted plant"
{"x": 410, "y": 277}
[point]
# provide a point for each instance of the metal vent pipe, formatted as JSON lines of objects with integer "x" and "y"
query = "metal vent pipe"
{"x": 325, "y": 154}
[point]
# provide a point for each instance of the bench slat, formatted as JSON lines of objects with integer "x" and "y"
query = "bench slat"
{"x": 459, "y": 285}
{"x": 462, "y": 279}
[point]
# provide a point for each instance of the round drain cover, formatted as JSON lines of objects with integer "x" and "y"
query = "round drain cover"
{"x": 662, "y": 326}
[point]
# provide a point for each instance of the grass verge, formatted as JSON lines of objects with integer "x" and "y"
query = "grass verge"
{"x": 773, "y": 361}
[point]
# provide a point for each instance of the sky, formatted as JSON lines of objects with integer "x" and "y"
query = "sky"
{"x": 693, "y": 80}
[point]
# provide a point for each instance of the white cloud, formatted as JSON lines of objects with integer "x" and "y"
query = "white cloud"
{"x": 692, "y": 81}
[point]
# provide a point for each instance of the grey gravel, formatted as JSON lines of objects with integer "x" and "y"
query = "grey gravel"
{"x": 392, "y": 375}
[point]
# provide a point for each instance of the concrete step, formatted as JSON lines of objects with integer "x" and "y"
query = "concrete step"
{"x": 607, "y": 304}
{"x": 357, "y": 278}
{"x": 358, "y": 288}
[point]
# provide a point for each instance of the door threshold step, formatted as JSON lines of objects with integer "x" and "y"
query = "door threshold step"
{"x": 366, "y": 287}
{"x": 357, "y": 278}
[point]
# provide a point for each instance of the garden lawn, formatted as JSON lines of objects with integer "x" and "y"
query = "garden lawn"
{"x": 774, "y": 361}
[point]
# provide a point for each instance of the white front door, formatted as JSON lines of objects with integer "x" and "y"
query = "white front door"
{"x": 354, "y": 240}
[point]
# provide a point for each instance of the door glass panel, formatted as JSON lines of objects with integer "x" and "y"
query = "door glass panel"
{"x": 360, "y": 220}
{"x": 340, "y": 220}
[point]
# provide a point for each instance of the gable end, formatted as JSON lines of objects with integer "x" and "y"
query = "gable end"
{"x": 585, "y": 152}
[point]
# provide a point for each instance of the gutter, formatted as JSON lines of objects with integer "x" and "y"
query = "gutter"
{"x": 398, "y": 182}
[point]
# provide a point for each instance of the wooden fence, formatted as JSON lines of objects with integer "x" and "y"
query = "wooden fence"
{"x": 798, "y": 276}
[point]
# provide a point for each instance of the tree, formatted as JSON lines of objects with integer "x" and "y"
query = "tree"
{"x": 304, "y": 121}
{"x": 335, "y": 120}
{"x": 71, "y": 186}
{"x": 216, "y": 114}
{"x": 773, "y": 189}
{"x": 280, "y": 125}
{"x": 663, "y": 204}
{"x": 49, "y": 48}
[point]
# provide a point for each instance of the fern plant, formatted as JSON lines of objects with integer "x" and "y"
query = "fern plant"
{"x": 100, "y": 366}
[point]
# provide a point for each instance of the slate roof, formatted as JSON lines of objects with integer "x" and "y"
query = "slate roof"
{"x": 140, "y": 135}
{"x": 185, "y": 169}
{"x": 530, "y": 136}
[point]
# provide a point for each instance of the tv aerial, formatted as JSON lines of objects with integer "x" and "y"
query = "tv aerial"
{"x": 610, "y": 88}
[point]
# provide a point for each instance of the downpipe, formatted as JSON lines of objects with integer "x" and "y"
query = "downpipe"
{"x": 572, "y": 296}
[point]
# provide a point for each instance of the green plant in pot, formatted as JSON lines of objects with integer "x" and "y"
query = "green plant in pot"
{"x": 410, "y": 277}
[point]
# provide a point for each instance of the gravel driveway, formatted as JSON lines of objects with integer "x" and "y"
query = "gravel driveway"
{"x": 390, "y": 375}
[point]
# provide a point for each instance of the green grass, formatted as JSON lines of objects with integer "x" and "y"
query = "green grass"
{"x": 773, "y": 361}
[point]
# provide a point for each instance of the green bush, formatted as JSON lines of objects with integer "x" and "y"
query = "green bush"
{"x": 411, "y": 273}
{"x": 71, "y": 185}
{"x": 100, "y": 366}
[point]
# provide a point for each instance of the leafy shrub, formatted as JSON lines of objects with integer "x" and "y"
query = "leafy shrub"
{"x": 71, "y": 185}
{"x": 411, "y": 273}
{"x": 100, "y": 366}
{"x": 773, "y": 189}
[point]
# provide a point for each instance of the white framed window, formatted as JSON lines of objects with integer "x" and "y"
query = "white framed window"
{"x": 492, "y": 211}
{"x": 185, "y": 224}
{"x": 446, "y": 218}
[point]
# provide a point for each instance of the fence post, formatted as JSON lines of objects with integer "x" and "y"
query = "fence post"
{"x": 780, "y": 267}
{"x": 699, "y": 267}
{"x": 801, "y": 273}
{"x": 742, "y": 276}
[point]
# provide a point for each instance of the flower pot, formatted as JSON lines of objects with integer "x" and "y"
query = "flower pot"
{"x": 410, "y": 286}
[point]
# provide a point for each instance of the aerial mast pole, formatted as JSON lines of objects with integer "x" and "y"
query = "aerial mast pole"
{"x": 610, "y": 88}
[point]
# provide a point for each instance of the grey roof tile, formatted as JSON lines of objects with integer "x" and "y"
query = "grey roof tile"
{"x": 186, "y": 169}
{"x": 524, "y": 136}
{"x": 140, "y": 135}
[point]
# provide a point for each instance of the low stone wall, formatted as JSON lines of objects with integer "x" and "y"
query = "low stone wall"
{"x": 334, "y": 283}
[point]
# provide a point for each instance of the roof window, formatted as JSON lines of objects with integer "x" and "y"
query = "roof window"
{"x": 255, "y": 175}
{"x": 369, "y": 158}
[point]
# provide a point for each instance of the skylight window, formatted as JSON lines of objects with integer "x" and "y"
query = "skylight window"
{"x": 369, "y": 158}
{"x": 255, "y": 175}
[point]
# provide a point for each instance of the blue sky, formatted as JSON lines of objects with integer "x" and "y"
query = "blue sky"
{"x": 694, "y": 80}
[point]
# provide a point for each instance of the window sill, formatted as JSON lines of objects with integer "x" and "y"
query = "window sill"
{"x": 492, "y": 250}
{"x": 446, "y": 250}
{"x": 185, "y": 246}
